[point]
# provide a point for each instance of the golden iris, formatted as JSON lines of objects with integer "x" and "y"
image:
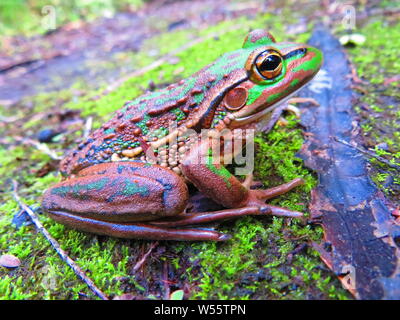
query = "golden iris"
{"x": 269, "y": 64}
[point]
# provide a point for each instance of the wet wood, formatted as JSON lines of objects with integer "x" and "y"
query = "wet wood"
{"x": 362, "y": 237}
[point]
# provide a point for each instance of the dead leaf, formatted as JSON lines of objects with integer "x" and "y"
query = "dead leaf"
{"x": 9, "y": 261}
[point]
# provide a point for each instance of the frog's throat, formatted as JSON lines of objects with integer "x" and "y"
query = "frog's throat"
{"x": 255, "y": 116}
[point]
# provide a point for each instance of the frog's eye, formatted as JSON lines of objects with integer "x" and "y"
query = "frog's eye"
{"x": 269, "y": 64}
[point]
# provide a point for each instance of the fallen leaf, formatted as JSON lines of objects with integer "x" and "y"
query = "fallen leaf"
{"x": 176, "y": 295}
{"x": 9, "y": 261}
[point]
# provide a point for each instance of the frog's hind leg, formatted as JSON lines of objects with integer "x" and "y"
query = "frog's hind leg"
{"x": 137, "y": 230}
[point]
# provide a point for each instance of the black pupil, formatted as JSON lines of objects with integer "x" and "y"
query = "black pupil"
{"x": 270, "y": 63}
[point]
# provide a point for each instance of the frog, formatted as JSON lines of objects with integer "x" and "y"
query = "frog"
{"x": 130, "y": 178}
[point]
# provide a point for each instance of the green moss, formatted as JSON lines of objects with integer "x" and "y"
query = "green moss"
{"x": 11, "y": 289}
{"x": 376, "y": 62}
{"x": 377, "y": 58}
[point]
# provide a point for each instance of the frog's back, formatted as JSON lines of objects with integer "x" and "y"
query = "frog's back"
{"x": 148, "y": 118}
{"x": 139, "y": 122}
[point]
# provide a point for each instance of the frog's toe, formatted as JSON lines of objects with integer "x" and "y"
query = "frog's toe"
{"x": 258, "y": 198}
{"x": 278, "y": 190}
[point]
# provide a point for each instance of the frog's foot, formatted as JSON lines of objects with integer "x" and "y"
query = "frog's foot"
{"x": 266, "y": 194}
{"x": 254, "y": 205}
{"x": 258, "y": 198}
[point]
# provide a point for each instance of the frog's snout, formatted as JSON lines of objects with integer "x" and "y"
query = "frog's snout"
{"x": 316, "y": 58}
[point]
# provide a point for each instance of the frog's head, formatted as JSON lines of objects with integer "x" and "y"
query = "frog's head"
{"x": 272, "y": 72}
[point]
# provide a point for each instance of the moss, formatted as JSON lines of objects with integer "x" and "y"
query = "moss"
{"x": 379, "y": 53}
{"x": 376, "y": 62}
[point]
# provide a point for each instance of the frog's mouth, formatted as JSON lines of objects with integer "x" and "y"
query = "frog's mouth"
{"x": 240, "y": 121}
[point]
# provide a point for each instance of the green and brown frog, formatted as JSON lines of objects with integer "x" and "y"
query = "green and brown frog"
{"x": 130, "y": 177}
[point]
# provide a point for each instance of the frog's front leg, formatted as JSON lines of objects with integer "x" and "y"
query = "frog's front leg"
{"x": 216, "y": 182}
{"x": 276, "y": 115}
{"x": 120, "y": 199}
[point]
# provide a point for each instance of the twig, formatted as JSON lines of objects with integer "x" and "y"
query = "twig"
{"x": 40, "y": 146}
{"x": 78, "y": 271}
{"x": 7, "y": 102}
{"x": 141, "y": 261}
{"x": 88, "y": 127}
{"x": 167, "y": 291}
{"x": 8, "y": 119}
{"x": 368, "y": 153}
